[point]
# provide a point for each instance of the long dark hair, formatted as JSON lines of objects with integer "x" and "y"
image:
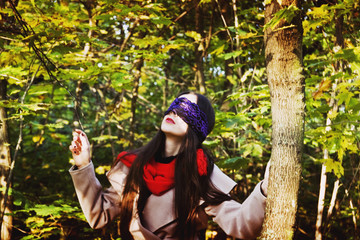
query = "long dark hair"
{"x": 190, "y": 187}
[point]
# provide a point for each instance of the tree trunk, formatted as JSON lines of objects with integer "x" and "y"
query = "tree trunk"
{"x": 237, "y": 39}
{"x": 321, "y": 199}
{"x": 5, "y": 163}
{"x": 199, "y": 50}
{"x": 225, "y": 11}
{"x": 338, "y": 67}
{"x": 284, "y": 66}
{"x": 137, "y": 65}
{"x": 333, "y": 198}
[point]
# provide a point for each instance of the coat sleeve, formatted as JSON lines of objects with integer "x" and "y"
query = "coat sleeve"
{"x": 99, "y": 206}
{"x": 242, "y": 221}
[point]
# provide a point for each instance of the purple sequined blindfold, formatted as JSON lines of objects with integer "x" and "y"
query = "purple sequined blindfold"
{"x": 192, "y": 115}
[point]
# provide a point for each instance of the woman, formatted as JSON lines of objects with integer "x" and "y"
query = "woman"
{"x": 169, "y": 187}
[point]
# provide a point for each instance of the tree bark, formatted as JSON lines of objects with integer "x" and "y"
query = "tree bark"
{"x": 333, "y": 198}
{"x": 137, "y": 74}
{"x": 5, "y": 165}
{"x": 237, "y": 39}
{"x": 199, "y": 50}
{"x": 284, "y": 66}
{"x": 321, "y": 199}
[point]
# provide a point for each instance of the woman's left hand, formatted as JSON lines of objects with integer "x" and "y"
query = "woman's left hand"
{"x": 265, "y": 182}
{"x": 80, "y": 148}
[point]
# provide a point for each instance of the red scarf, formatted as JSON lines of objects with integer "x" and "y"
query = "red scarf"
{"x": 160, "y": 177}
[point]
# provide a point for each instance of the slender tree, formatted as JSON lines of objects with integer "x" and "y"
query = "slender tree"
{"x": 224, "y": 10}
{"x": 284, "y": 67}
{"x": 6, "y": 220}
{"x": 338, "y": 67}
{"x": 99, "y": 44}
{"x": 5, "y": 163}
{"x": 138, "y": 63}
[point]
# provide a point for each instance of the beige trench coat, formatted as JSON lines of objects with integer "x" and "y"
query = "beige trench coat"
{"x": 100, "y": 206}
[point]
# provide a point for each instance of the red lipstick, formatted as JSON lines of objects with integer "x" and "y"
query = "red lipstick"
{"x": 169, "y": 120}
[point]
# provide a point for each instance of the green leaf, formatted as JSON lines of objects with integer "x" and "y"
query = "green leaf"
{"x": 233, "y": 163}
{"x": 29, "y": 237}
{"x": 104, "y": 138}
{"x": 119, "y": 79}
{"x": 233, "y": 54}
{"x": 196, "y": 36}
{"x": 252, "y": 149}
{"x": 218, "y": 50}
{"x": 46, "y": 210}
{"x": 334, "y": 166}
{"x": 344, "y": 97}
{"x": 320, "y": 12}
{"x": 286, "y": 14}
{"x": 161, "y": 20}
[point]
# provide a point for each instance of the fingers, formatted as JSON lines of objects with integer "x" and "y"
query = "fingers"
{"x": 79, "y": 132}
{"x": 79, "y": 143}
{"x": 75, "y": 147}
{"x": 267, "y": 169}
{"x": 81, "y": 137}
{"x": 84, "y": 140}
{"x": 78, "y": 146}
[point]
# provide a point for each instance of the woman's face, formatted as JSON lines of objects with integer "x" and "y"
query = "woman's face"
{"x": 172, "y": 125}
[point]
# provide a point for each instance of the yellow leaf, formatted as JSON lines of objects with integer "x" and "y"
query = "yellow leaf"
{"x": 219, "y": 50}
{"x": 196, "y": 36}
{"x": 248, "y": 35}
{"x": 102, "y": 169}
{"x": 324, "y": 86}
{"x": 102, "y": 31}
{"x": 38, "y": 139}
{"x": 332, "y": 114}
{"x": 267, "y": 2}
{"x": 320, "y": 12}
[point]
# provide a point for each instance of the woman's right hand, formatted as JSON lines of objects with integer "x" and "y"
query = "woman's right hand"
{"x": 80, "y": 148}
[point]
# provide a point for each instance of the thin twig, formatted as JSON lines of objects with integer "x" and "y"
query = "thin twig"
{"x": 28, "y": 31}
{"x": 10, "y": 39}
{"x": 11, "y": 77}
{"x": 225, "y": 24}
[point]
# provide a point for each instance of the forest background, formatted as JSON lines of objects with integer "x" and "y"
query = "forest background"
{"x": 113, "y": 67}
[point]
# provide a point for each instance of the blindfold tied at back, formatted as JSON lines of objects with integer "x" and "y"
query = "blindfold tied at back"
{"x": 192, "y": 115}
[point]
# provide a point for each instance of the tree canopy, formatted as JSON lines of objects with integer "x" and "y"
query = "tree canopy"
{"x": 113, "y": 67}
